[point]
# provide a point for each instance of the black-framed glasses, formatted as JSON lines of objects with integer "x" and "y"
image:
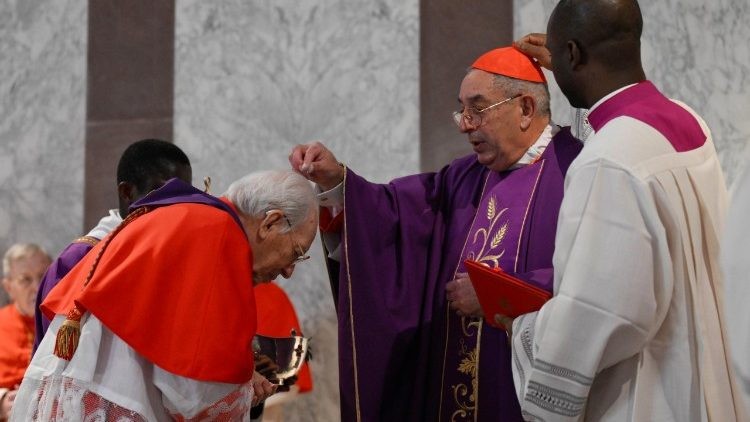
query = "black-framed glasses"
{"x": 473, "y": 116}
{"x": 301, "y": 255}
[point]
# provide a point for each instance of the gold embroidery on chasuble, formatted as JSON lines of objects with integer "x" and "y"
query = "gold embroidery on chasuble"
{"x": 495, "y": 240}
{"x": 490, "y": 237}
{"x": 486, "y": 244}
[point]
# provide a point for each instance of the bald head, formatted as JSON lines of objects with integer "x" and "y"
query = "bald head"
{"x": 599, "y": 38}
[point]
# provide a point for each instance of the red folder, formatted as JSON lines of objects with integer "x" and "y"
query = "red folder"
{"x": 501, "y": 293}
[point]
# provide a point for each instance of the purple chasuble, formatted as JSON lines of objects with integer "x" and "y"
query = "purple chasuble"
{"x": 403, "y": 354}
{"x": 174, "y": 191}
{"x": 645, "y": 103}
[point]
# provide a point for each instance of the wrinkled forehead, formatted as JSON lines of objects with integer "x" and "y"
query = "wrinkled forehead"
{"x": 477, "y": 85}
{"x": 307, "y": 230}
{"x": 33, "y": 263}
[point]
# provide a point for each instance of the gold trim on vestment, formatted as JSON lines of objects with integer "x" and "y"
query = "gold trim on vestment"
{"x": 491, "y": 236}
{"x": 448, "y": 309}
{"x": 493, "y": 215}
{"x": 526, "y": 214}
{"x": 475, "y": 381}
{"x": 87, "y": 239}
{"x": 351, "y": 309}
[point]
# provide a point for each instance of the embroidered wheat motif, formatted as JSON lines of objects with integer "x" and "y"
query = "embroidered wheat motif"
{"x": 491, "y": 209}
{"x": 500, "y": 235}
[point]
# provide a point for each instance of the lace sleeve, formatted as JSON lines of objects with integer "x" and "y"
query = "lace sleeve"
{"x": 190, "y": 400}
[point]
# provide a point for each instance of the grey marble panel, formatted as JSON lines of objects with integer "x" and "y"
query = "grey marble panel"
{"x": 696, "y": 52}
{"x": 252, "y": 79}
{"x": 42, "y": 104}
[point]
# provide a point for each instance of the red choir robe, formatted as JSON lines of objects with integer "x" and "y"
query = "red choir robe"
{"x": 276, "y": 318}
{"x": 173, "y": 297}
{"x": 17, "y": 334}
{"x": 186, "y": 306}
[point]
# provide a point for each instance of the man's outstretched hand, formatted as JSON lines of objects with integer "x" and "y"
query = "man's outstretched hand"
{"x": 318, "y": 164}
{"x": 535, "y": 46}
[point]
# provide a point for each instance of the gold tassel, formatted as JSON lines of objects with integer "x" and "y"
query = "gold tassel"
{"x": 68, "y": 335}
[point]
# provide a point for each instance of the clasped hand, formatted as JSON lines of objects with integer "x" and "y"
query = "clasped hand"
{"x": 462, "y": 298}
{"x": 265, "y": 382}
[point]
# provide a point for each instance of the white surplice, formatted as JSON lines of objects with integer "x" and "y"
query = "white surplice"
{"x": 106, "y": 224}
{"x": 634, "y": 331}
{"x": 735, "y": 254}
{"x": 107, "y": 380}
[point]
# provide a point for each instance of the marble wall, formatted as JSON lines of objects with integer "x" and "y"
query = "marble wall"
{"x": 695, "y": 51}
{"x": 252, "y": 79}
{"x": 255, "y": 78}
{"x": 42, "y": 104}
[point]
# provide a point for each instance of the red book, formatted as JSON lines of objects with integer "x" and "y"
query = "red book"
{"x": 502, "y": 293}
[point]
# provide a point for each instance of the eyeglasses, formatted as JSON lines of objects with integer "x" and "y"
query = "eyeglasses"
{"x": 301, "y": 255}
{"x": 473, "y": 115}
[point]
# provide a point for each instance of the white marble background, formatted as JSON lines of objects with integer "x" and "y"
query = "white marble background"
{"x": 255, "y": 78}
{"x": 695, "y": 51}
{"x": 42, "y": 104}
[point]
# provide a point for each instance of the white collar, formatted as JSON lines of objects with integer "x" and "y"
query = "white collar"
{"x": 537, "y": 148}
{"x": 610, "y": 95}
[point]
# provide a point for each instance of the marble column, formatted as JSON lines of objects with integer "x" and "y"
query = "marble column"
{"x": 42, "y": 103}
{"x": 129, "y": 90}
{"x": 252, "y": 79}
{"x": 696, "y": 52}
{"x": 453, "y": 35}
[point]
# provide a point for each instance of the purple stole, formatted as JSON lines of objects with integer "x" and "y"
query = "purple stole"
{"x": 494, "y": 239}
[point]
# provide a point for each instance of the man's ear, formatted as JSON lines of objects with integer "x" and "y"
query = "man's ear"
{"x": 270, "y": 223}
{"x": 576, "y": 54}
{"x": 126, "y": 192}
{"x": 528, "y": 110}
{"x": 6, "y": 285}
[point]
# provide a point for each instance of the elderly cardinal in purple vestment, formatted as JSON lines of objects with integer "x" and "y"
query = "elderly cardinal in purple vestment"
{"x": 413, "y": 341}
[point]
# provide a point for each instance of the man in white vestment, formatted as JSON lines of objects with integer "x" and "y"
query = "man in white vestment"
{"x": 735, "y": 254}
{"x": 635, "y": 329}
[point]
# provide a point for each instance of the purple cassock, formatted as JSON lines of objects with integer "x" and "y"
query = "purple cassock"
{"x": 403, "y": 354}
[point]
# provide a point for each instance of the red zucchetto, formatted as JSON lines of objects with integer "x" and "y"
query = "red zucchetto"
{"x": 511, "y": 62}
